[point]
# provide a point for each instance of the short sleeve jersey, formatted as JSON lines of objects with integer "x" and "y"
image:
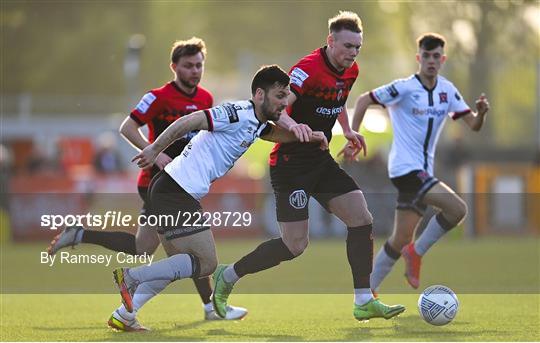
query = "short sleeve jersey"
{"x": 418, "y": 115}
{"x": 159, "y": 108}
{"x": 321, "y": 93}
{"x": 233, "y": 127}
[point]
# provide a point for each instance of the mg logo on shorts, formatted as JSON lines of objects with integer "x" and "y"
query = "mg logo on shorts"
{"x": 298, "y": 199}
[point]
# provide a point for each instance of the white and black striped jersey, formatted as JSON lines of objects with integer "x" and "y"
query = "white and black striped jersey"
{"x": 233, "y": 127}
{"x": 418, "y": 115}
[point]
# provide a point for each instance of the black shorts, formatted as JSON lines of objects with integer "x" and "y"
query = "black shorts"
{"x": 143, "y": 194}
{"x": 412, "y": 187}
{"x": 294, "y": 183}
{"x": 143, "y": 191}
{"x": 178, "y": 213}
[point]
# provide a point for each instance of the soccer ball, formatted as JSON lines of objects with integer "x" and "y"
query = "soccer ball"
{"x": 438, "y": 305}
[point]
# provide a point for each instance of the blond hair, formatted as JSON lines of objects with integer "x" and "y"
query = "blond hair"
{"x": 345, "y": 20}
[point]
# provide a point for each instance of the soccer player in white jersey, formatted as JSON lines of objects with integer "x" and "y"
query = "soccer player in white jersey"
{"x": 418, "y": 107}
{"x": 229, "y": 130}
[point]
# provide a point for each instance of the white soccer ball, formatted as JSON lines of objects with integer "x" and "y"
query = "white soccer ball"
{"x": 438, "y": 305}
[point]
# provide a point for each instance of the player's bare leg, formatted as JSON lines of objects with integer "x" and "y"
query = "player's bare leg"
{"x": 352, "y": 209}
{"x": 452, "y": 212}
{"x": 295, "y": 235}
{"x": 293, "y": 241}
{"x": 146, "y": 240}
{"x": 405, "y": 223}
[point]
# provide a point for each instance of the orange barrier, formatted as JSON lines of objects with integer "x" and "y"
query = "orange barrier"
{"x": 82, "y": 191}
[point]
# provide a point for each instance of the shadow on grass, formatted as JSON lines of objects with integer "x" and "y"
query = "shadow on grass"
{"x": 408, "y": 328}
{"x": 175, "y": 333}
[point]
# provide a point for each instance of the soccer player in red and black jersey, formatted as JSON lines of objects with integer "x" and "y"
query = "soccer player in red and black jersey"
{"x": 320, "y": 84}
{"x": 157, "y": 109}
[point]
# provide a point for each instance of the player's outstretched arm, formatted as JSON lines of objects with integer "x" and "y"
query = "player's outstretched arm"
{"x": 475, "y": 120}
{"x": 360, "y": 108}
{"x": 278, "y": 134}
{"x": 130, "y": 130}
{"x": 194, "y": 121}
{"x": 353, "y": 147}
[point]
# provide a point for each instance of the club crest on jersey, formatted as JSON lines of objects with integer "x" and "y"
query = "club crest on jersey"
{"x": 191, "y": 107}
{"x": 443, "y": 97}
{"x": 298, "y": 199}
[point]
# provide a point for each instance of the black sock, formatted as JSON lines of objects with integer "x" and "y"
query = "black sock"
{"x": 267, "y": 255}
{"x": 204, "y": 288}
{"x": 444, "y": 223}
{"x": 116, "y": 240}
{"x": 360, "y": 254}
{"x": 391, "y": 252}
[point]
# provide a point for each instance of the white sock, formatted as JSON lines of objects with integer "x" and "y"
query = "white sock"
{"x": 129, "y": 316}
{"x": 362, "y": 295}
{"x": 432, "y": 233}
{"x": 171, "y": 268}
{"x": 382, "y": 266}
{"x": 145, "y": 291}
{"x": 229, "y": 274}
{"x": 208, "y": 307}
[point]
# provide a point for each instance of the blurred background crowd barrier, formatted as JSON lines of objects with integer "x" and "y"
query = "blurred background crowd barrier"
{"x": 67, "y": 84}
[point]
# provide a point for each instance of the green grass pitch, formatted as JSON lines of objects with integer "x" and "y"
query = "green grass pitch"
{"x": 496, "y": 280}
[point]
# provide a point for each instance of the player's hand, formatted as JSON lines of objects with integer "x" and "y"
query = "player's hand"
{"x": 355, "y": 144}
{"x": 301, "y": 131}
{"x": 319, "y": 136}
{"x": 482, "y": 104}
{"x": 162, "y": 160}
{"x": 350, "y": 152}
{"x": 145, "y": 159}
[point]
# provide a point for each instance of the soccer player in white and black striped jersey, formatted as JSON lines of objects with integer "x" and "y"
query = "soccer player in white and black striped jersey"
{"x": 418, "y": 107}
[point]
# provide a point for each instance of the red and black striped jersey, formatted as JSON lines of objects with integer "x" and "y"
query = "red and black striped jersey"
{"x": 159, "y": 108}
{"x": 321, "y": 93}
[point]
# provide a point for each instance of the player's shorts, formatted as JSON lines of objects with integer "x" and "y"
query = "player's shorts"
{"x": 174, "y": 207}
{"x": 294, "y": 183}
{"x": 143, "y": 194}
{"x": 412, "y": 187}
{"x": 143, "y": 191}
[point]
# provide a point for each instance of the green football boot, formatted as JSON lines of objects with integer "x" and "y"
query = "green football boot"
{"x": 376, "y": 309}
{"x": 222, "y": 290}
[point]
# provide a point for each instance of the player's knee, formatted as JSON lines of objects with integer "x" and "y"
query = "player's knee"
{"x": 297, "y": 246}
{"x": 359, "y": 218}
{"x": 367, "y": 218}
{"x": 207, "y": 266}
{"x": 398, "y": 241}
{"x": 462, "y": 210}
{"x": 456, "y": 213}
